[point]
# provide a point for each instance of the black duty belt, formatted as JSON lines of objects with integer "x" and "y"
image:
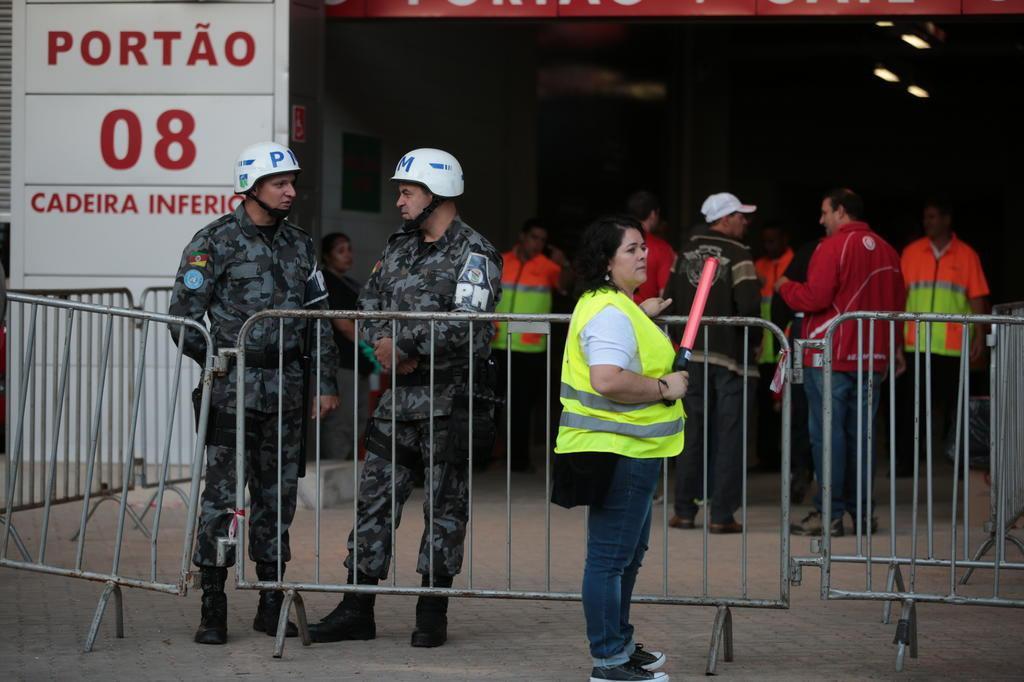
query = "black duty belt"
{"x": 422, "y": 377}
{"x": 269, "y": 359}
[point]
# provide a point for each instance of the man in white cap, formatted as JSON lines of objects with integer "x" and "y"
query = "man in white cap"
{"x": 735, "y": 293}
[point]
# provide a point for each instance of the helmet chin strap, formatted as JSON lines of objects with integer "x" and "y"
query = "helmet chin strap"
{"x": 416, "y": 222}
{"x": 278, "y": 214}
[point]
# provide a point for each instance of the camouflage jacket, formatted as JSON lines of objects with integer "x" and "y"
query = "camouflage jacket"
{"x": 460, "y": 272}
{"x": 228, "y": 273}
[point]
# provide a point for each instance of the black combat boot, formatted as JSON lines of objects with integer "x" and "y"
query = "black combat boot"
{"x": 269, "y": 610}
{"x": 213, "y": 628}
{"x": 351, "y": 619}
{"x": 432, "y": 616}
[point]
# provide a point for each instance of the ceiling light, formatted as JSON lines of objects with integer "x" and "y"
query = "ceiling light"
{"x": 918, "y": 91}
{"x": 915, "y": 41}
{"x": 884, "y": 24}
{"x": 886, "y": 75}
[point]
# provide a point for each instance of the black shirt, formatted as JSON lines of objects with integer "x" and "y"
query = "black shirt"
{"x": 342, "y": 293}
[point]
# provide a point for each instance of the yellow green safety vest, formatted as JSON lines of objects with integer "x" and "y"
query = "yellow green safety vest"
{"x": 592, "y": 423}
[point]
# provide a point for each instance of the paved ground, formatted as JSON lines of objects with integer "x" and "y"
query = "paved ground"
{"x": 45, "y": 618}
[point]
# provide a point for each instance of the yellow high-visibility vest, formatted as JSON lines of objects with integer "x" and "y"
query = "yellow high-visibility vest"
{"x": 591, "y": 422}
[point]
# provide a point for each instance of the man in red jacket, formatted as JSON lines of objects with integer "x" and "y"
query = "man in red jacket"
{"x": 853, "y": 269}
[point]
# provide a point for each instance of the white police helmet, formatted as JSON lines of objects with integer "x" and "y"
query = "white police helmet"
{"x": 261, "y": 160}
{"x": 435, "y": 169}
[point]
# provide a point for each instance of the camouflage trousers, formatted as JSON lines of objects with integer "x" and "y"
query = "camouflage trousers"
{"x": 218, "y": 499}
{"x": 450, "y": 498}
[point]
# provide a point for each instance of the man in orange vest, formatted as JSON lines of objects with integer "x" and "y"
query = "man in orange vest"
{"x": 943, "y": 275}
{"x": 770, "y": 267}
{"x": 529, "y": 278}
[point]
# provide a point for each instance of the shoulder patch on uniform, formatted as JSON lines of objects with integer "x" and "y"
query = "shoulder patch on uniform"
{"x": 198, "y": 259}
{"x": 473, "y": 292}
{"x": 376, "y": 267}
{"x": 193, "y": 279}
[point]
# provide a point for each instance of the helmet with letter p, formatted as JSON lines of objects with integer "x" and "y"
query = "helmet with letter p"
{"x": 437, "y": 170}
{"x": 261, "y": 160}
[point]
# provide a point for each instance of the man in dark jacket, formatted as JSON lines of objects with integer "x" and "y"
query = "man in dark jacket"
{"x": 735, "y": 292}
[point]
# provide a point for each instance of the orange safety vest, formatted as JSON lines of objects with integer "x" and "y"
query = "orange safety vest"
{"x": 525, "y": 288}
{"x": 770, "y": 270}
{"x": 941, "y": 285}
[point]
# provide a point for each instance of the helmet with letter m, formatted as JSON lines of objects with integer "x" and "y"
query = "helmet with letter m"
{"x": 261, "y": 160}
{"x": 437, "y": 170}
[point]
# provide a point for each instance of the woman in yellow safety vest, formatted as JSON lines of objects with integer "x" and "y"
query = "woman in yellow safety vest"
{"x": 621, "y": 416}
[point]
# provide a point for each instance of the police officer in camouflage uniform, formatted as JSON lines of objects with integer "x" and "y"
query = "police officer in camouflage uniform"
{"x": 242, "y": 263}
{"x": 434, "y": 263}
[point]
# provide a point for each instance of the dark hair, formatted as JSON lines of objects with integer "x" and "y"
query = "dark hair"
{"x": 641, "y": 203}
{"x": 328, "y": 242}
{"x": 598, "y": 245}
{"x": 940, "y": 204}
{"x": 531, "y": 223}
{"x": 849, "y": 200}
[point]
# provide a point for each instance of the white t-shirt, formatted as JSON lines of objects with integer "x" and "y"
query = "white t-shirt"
{"x": 608, "y": 339}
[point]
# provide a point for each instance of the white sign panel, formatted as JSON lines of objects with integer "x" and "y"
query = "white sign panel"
{"x": 150, "y": 48}
{"x": 145, "y": 139}
{"x": 128, "y": 119}
{"x": 118, "y": 230}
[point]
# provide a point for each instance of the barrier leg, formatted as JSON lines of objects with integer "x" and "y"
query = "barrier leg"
{"x": 906, "y": 634}
{"x": 985, "y": 547}
{"x": 131, "y": 512}
{"x": 721, "y": 639}
{"x": 894, "y": 579}
{"x": 291, "y": 597}
{"x": 1017, "y": 541}
{"x": 152, "y": 499}
{"x": 17, "y": 539}
{"x": 111, "y": 588}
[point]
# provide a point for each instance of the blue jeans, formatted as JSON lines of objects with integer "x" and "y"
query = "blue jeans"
{"x": 616, "y": 542}
{"x": 844, "y": 436}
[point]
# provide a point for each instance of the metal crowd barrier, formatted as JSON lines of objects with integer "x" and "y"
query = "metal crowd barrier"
{"x": 1006, "y": 505}
{"x": 933, "y": 555}
{"x": 718, "y": 555}
{"x": 162, "y": 397}
{"x": 75, "y": 382}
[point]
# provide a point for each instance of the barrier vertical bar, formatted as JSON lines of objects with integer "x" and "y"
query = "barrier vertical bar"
{"x": 55, "y": 441}
{"x": 743, "y": 488}
{"x": 136, "y": 402}
{"x": 18, "y": 444}
{"x": 172, "y": 406}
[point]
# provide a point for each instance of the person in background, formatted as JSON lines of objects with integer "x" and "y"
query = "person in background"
{"x": 733, "y": 294}
{"x": 646, "y": 209}
{"x": 852, "y": 269}
{"x": 943, "y": 275}
{"x": 776, "y": 257}
{"x": 621, "y": 418}
{"x": 529, "y": 279}
{"x": 339, "y": 426}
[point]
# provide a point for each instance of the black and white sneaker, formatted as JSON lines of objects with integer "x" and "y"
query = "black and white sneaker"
{"x": 627, "y": 672}
{"x": 648, "y": 660}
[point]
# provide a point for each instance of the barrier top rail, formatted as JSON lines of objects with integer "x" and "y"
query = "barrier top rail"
{"x": 132, "y": 313}
{"x": 77, "y": 292}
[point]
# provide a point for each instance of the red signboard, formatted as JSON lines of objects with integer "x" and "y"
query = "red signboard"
{"x": 551, "y": 9}
{"x": 345, "y": 8}
{"x": 467, "y": 9}
{"x": 993, "y": 6}
{"x": 856, "y": 7}
{"x": 298, "y": 123}
{"x": 656, "y": 8}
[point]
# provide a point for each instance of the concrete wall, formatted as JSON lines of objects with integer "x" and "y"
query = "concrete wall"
{"x": 471, "y": 92}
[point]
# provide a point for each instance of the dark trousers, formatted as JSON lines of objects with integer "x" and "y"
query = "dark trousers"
{"x": 945, "y": 384}
{"x": 527, "y": 406}
{"x": 725, "y": 444}
{"x": 769, "y": 421}
{"x": 216, "y": 512}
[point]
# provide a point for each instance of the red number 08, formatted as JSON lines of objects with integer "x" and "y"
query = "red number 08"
{"x": 175, "y": 127}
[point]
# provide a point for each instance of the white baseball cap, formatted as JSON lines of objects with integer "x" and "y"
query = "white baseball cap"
{"x": 722, "y": 204}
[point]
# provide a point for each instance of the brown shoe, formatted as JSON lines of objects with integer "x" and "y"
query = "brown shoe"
{"x": 729, "y": 527}
{"x": 680, "y": 522}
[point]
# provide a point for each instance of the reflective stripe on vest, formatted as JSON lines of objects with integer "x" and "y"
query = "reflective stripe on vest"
{"x": 770, "y": 271}
{"x": 523, "y": 290}
{"x": 930, "y": 289}
{"x": 591, "y": 422}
